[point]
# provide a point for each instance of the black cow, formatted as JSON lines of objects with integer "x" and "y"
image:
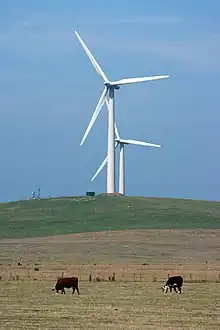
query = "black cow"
{"x": 66, "y": 282}
{"x": 173, "y": 282}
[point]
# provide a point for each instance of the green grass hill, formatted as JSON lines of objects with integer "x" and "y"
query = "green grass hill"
{"x": 67, "y": 215}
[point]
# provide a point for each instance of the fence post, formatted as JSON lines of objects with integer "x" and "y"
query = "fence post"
{"x": 113, "y": 277}
{"x": 190, "y": 277}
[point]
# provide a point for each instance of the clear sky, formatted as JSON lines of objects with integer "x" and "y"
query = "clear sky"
{"x": 49, "y": 90}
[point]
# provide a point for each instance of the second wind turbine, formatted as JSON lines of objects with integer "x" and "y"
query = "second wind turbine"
{"x": 122, "y": 142}
{"x": 109, "y": 90}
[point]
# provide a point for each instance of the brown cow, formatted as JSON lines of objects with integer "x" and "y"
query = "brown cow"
{"x": 66, "y": 282}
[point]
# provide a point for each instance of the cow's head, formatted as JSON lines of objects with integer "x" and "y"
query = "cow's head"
{"x": 165, "y": 288}
{"x": 54, "y": 290}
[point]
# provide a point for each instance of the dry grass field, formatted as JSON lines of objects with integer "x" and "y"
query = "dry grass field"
{"x": 141, "y": 260}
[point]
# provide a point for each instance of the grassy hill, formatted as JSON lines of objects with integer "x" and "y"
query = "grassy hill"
{"x": 80, "y": 214}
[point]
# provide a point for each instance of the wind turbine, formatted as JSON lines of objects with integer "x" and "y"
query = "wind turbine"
{"x": 122, "y": 143}
{"x": 109, "y": 89}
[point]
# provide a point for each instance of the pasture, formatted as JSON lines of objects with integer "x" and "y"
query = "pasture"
{"x": 141, "y": 260}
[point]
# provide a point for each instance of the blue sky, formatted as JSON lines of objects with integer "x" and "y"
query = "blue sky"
{"x": 49, "y": 91}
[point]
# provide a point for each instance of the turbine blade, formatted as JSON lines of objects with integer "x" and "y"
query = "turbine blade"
{"x": 107, "y": 103}
{"x": 140, "y": 143}
{"x": 100, "y": 168}
{"x": 91, "y": 57}
{"x": 95, "y": 114}
{"x": 136, "y": 80}
{"x": 116, "y": 132}
{"x": 102, "y": 165}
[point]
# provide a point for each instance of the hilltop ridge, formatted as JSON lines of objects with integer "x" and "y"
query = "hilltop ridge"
{"x": 66, "y": 215}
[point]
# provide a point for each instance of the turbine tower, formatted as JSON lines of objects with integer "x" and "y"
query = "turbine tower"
{"x": 109, "y": 91}
{"x": 122, "y": 143}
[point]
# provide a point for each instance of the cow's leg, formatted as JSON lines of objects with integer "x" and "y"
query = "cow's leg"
{"x": 63, "y": 291}
{"x": 179, "y": 289}
{"x": 73, "y": 289}
{"x": 171, "y": 288}
{"x": 165, "y": 288}
{"x": 77, "y": 289}
{"x": 175, "y": 288}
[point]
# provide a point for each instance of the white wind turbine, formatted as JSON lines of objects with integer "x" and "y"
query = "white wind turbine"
{"x": 109, "y": 89}
{"x": 121, "y": 143}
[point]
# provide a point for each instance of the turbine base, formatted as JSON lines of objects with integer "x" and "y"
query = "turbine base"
{"x": 112, "y": 194}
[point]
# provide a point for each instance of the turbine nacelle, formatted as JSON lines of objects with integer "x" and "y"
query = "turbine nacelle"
{"x": 109, "y": 84}
{"x": 119, "y": 141}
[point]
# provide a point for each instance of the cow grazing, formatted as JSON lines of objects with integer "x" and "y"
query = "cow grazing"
{"x": 66, "y": 282}
{"x": 173, "y": 282}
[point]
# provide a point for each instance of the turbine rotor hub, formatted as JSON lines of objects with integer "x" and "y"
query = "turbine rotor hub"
{"x": 108, "y": 84}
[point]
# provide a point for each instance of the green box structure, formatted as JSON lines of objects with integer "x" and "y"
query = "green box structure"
{"x": 90, "y": 193}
